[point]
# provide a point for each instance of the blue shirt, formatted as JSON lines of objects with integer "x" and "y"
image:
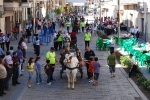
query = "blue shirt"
{"x": 19, "y": 54}
{"x": 1, "y": 51}
{"x": 11, "y": 53}
{"x": 38, "y": 65}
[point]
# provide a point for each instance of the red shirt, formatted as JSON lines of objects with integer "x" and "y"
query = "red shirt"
{"x": 91, "y": 67}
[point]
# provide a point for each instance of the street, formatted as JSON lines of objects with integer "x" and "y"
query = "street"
{"x": 118, "y": 88}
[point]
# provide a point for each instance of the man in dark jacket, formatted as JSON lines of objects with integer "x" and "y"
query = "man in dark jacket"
{"x": 15, "y": 69}
{"x": 28, "y": 34}
{"x": 89, "y": 53}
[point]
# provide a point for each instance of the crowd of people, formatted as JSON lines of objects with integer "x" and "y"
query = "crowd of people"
{"x": 11, "y": 63}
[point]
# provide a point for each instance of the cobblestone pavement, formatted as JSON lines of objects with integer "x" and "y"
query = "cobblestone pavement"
{"x": 118, "y": 88}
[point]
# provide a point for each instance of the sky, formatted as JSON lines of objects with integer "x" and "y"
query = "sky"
{"x": 76, "y": 1}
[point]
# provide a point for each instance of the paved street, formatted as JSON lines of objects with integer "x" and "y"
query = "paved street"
{"x": 118, "y": 88}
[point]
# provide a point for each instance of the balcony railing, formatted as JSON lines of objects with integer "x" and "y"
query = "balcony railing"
{"x": 2, "y": 12}
{"x": 12, "y": 0}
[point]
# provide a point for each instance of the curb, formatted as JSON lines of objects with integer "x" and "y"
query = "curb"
{"x": 143, "y": 97}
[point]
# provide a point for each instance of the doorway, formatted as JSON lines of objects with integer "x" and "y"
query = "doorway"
{"x": 8, "y": 24}
{"x": 131, "y": 20}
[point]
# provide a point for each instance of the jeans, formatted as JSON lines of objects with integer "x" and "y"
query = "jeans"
{"x": 38, "y": 77}
{"x": 28, "y": 39}
{"x": 48, "y": 78}
{"x": 24, "y": 53}
{"x": 9, "y": 75}
{"x": 2, "y": 45}
{"x": 19, "y": 69}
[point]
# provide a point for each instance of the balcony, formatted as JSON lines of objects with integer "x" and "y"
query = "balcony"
{"x": 128, "y": 2}
{"x": 12, "y": 0}
{"x": 12, "y": 4}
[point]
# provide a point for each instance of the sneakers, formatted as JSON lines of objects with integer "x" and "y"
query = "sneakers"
{"x": 90, "y": 81}
{"x": 37, "y": 83}
{"x": 49, "y": 83}
{"x": 29, "y": 86}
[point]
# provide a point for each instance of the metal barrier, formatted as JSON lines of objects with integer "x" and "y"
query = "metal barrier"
{"x": 45, "y": 39}
{"x": 47, "y": 31}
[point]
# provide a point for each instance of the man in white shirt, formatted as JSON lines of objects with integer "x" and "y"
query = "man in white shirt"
{"x": 24, "y": 48}
{"x": 137, "y": 32}
{"x": 132, "y": 30}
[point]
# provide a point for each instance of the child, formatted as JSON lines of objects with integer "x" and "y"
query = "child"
{"x": 91, "y": 69}
{"x": 81, "y": 67}
{"x": 30, "y": 68}
{"x": 11, "y": 51}
{"x": 96, "y": 71}
{"x": 38, "y": 70}
{"x": 48, "y": 71}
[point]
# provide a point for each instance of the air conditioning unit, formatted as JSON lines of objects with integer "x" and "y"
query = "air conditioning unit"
{"x": 2, "y": 14}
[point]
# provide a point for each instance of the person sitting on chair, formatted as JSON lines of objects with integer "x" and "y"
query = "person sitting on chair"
{"x": 134, "y": 68}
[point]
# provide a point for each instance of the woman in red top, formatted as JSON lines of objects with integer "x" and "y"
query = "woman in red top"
{"x": 91, "y": 69}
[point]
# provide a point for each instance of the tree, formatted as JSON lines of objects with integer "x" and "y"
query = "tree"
{"x": 66, "y": 9}
{"x": 59, "y": 10}
{"x": 70, "y": 9}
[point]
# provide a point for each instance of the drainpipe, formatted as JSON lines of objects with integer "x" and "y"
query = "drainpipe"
{"x": 118, "y": 19}
{"x": 34, "y": 29}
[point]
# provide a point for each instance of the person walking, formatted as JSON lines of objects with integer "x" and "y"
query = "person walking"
{"x": 68, "y": 25}
{"x": 112, "y": 44}
{"x": 51, "y": 55}
{"x": 96, "y": 71}
{"x": 30, "y": 68}
{"x": 82, "y": 26}
{"x": 15, "y": 69}
{"x": 38, "y": 70}
{"x": 3, "y": 74}
{"x": 89, "y": 53}
{"x": 28, "y": 34}
{"x": 87, "y": 39}
{"x": 59, "y": 40}
{"x": 7, "y": 40}
{"x": 111, "y": 60}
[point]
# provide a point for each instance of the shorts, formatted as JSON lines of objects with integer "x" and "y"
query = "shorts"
{"x": 90, "y": 74}
{"x": 112, "y": 69}
{"x": 96, "y": 76}
{"x": 30, "y": 75}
